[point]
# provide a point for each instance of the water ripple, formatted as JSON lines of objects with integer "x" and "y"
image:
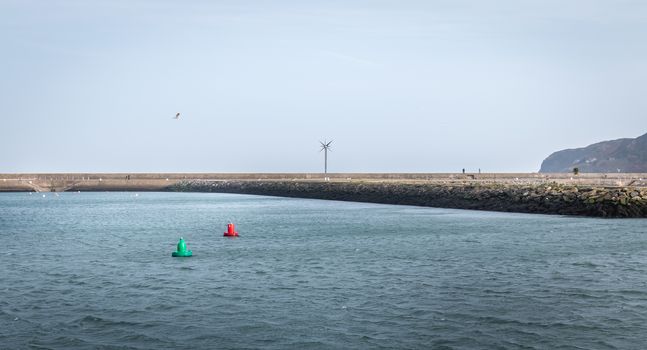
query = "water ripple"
{"x": 313, "y": 274}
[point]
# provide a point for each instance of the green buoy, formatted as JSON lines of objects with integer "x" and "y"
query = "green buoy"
{"x": 181, "y": 249}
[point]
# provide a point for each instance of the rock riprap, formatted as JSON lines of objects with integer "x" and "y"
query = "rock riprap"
{"x": 548, "y": 198}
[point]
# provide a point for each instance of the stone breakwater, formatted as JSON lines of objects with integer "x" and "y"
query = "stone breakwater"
{"x": 548, "y": 198}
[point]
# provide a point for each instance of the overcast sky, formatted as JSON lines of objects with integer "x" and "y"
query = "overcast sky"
{"x": 400, "y": 86}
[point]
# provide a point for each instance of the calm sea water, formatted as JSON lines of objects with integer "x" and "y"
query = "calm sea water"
{"x": 94, "y": 270}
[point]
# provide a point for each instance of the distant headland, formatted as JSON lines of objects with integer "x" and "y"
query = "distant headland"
{"x": 596, "y": 195}
{"x": 621, "y": 155}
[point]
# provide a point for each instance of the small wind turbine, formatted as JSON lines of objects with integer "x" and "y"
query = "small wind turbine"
{"x": 325, "y": 146}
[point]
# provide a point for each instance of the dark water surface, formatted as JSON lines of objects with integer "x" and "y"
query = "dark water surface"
{"x": 94, "y": 270}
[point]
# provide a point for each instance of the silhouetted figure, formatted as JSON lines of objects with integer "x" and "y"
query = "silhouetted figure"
{"x": 463, "y": 170}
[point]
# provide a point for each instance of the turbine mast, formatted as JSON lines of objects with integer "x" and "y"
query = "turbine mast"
{"x": 326, "y": 161}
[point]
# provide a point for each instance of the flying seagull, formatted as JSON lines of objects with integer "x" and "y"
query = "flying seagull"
{"x": 177, "y": 116}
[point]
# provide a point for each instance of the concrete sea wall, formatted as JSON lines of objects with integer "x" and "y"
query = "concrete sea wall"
{"x": 598, "y": 195}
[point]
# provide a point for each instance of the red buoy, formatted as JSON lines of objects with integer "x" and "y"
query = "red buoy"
{"x": 231, "y": 231}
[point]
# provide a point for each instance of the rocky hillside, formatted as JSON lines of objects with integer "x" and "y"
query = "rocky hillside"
{"x": 622, "y": 155}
